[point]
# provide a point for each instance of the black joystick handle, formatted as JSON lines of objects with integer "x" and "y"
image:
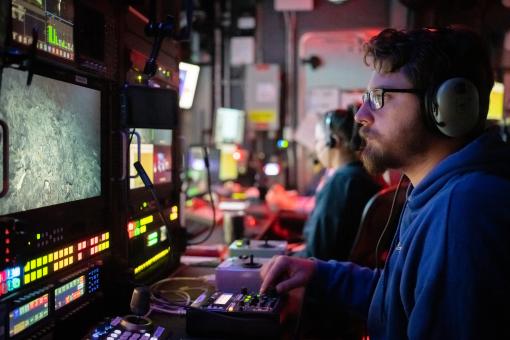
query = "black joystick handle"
{"x": 252, "y": 264}
{"x": 266, "y": 244}
{"x": 140, "y": 301}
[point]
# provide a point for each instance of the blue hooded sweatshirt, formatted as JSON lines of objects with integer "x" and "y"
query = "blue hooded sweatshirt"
{"x": 448, "y": 276}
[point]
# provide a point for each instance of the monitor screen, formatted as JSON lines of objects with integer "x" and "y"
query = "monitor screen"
{"x": 155, "y": 156}
{"x": 196, "y": 170}
{"x": 28, "y": 314}
{"x": 69, "y": 292}
{"x": 496, "y": 101}
{"x": 53, "y": 20}
{"x": 229, "y": 127}
{"x": 188, "y": 79}
{"x": 54, "y": 141}
{"x": 228, "y": 162}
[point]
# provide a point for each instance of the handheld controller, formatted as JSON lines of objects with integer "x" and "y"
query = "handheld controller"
{"x": 235, "y": 314}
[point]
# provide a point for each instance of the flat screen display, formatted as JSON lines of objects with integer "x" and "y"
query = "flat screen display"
{"x": 155, "y": 156}
{"x": 196, "y": 171}
{"x": 54, "y": 141}
{"x": 496, "y": 102}
{"x": 28, "y": 314}
{"x": 228, "y": 163}
{"x": 53, "y": 20}
{"x": 69, "y": 292}
{"x": 229, "y": 127}
{"x": 188, "y": 79}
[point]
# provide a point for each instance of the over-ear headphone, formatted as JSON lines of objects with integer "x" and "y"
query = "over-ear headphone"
{"x": 328, "y": 122}
{"x": 338, "y": 122}
{"x": 453, "y": 107}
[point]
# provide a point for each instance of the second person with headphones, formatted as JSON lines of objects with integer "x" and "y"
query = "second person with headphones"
{"x": 342, "y": 194}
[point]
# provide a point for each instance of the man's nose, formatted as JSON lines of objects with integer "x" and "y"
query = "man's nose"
{"x": 364, "y": 114}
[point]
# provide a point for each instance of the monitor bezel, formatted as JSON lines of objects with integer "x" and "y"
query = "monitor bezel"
{"x": 90, "y": 214}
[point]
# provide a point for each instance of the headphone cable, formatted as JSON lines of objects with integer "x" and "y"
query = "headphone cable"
{"x": 388, "y": 221}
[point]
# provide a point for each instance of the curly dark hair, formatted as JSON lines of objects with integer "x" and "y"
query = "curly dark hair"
{"x": 429, "y": 56}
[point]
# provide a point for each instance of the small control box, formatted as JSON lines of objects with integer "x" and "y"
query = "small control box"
{"x": 240, "y": 315}
{"x": 239, "y": 272}
{"x": 257, "y": 248}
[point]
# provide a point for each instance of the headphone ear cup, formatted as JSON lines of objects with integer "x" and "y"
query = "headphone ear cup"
{"x": 331, "y": 142}
{"x": 454, "y": 110}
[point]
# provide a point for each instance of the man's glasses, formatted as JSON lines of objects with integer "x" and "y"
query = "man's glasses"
{"x": 375, "y": 97}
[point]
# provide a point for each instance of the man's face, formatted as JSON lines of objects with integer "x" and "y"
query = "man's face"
{"x": 395, "y": 135}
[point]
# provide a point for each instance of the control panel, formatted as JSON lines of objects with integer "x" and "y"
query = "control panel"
{"x": 117, "y": 328}
{"x": 235, "y": 314}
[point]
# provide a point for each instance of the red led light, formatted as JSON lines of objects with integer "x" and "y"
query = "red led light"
{"x": 7, "y": 232}
{"x": 131, "y": 226}
{"x": 7, "y": 241}
{"x": 7, "y": 260}
{"x": 7, "y": 251}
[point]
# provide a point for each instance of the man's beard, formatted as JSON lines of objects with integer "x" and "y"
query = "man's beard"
{"x": 395, "y": 153}
{"x": 374, "y": 161}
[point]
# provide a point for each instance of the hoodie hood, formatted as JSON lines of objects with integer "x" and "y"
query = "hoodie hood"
{"x": 487, "y": 153}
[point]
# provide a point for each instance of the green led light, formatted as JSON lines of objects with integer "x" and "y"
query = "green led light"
{"x": 38, "y": 236}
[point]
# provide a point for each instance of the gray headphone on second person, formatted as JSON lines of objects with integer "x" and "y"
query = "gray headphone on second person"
{"x": 453, "y": 108}
{"x": 338, "y": 122}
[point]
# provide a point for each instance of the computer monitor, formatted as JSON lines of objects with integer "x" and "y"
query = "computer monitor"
{"x": 54, "y": 141}
{"x": 196, "y": 171}
{"x": 155, "y": 156}
{"x": 496, "y": 102}
{"x": 228, "y": 162}
{"x": 188, "y": 79}
{"x": 230, "y": 126}
{"x": 53, "y": 20}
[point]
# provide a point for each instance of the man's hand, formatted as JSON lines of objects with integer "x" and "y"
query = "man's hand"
{"x": 285, "y": 273}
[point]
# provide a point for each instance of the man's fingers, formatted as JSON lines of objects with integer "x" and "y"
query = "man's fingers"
{"x": 291, "y": 283}
{"x": 271, "y": 272}
{"x": 266, "y": 267}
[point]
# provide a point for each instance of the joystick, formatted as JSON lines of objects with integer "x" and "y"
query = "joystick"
{"x": 258, "y": 248}
{"x": 266, "y": 244}
{"x": 140, "y": 305}
{"x": 252, "y": 264}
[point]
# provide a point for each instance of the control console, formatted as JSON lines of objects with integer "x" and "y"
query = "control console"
{"x": 131, "y": 327}
{"x": 241, "y": 314}
{"x": 118, "y": 328}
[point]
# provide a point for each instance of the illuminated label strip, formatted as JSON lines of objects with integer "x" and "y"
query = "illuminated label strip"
{"x": 34, "y": 269}
{"x": 174, "y": 213}
{"x": 136, "y": 228}
{"x": 152, "y": 239}
{"x": 151, "y": 261}
{"x": 10, "y": 279}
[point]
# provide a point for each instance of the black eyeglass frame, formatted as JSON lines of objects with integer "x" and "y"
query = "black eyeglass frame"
{"x": 368, "y": 95}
